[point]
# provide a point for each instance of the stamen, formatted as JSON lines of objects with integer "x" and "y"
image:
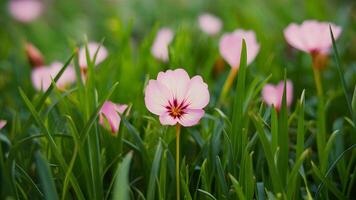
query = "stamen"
{"x": 176, "y": 110}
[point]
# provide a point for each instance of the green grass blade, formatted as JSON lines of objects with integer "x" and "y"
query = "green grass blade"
{"x": 341, "y": 74}
{"x": 276, "y": 179}
{"x": 52, "y": 143}
{"x": 46, "y": 177}
{"x": 300, "y": 127}
{"x": 122, "y": 187}
{"x": 154, "y": 173}
{"x": 283, "y": 135}
{"x": 237, "y": 114}
{"x": 237, "y": 188}
{"x": 292, "y": 178}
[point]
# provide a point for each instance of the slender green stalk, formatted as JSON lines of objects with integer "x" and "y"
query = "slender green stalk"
{"x": 320, "y": 135}
{"x": 227, "y": 85}
{"x": 177, "y": 160}
{"x": 317, "y": 79}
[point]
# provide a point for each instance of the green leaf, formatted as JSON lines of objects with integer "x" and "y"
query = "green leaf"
{"x": 283, "y": 135}
{"x": 122, "y": 185}
{"x": 300, "y": 128}
{"x": 276, "y": 179}
{"x": 57, "y": 154}
{"x": 221, "y": 176}
{"x": 237, "y": 188}
{"x": 328, "y": 184}
{"x": 292, "y": 178}
{"x": 341, "y": 74}
{"x": 238, "y": 114}
{"x": 154, "y": 173}
{"x": 46, "y": 178}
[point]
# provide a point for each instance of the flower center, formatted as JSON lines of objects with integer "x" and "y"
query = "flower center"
{"x": 175, "y": 109}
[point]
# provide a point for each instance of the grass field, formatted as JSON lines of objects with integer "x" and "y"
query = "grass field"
{"x": 82, "y": 85}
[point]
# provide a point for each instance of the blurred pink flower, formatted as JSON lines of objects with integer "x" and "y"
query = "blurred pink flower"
{"x": 209, "y": 24}
{"x": 25, "y": 10}
{"x": 176, "y": 98}
{"x": 231, "y": 44}
{"x": 311, "y": 36}
{"x": 273, "y": 94}
{"x": 42, "y": 76}
{"x": 92, "y": 48}
{"x": 2, "y": 124}
{"x": 160, "y": 45}
{"x": 109, "y": 112}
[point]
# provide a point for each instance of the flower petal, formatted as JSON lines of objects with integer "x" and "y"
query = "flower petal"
{"x": 270, "y": 95}
{"x": 210, "y": 24}
{"x": 166, "y": 119}
{"x": 176, "y": 82}
{"x": 191, "y": 117}
{"x": 289, "y": 92}
{"x": 231, "y": 44}
{"x": 156, "y": 97}
{"x": 110, "y": 111}
{"x": 160, "y": 45}
{"x": 197, "y": 95}
{"x": 41, "y": 78}
{"x": 311, "y": 35}
{"x": 25, "y": 10}
{"x": 2, "y": 124}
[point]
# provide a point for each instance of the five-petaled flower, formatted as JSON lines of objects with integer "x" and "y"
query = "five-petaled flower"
{"x": 273, "y": 94}
{"x": 42, "y": 76}
{"x": 230, "y": 47}
{"x": 311, "y": 36}
{"x": 177, "y": 98}
{"x": 110, "y": 115}
{"x": 209, "y": 24}
{"x": 25, "y": 11}
{"x": 160, "y": 45}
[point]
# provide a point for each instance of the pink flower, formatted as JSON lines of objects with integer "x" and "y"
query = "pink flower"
{"x": 209, "y": 24}
{"x": 160, "y": 45}
{"x": 273, "y": 94}
{"x": 311, "y": 36}
{"x": 231, "y": 44}
{"x": 2, "y": 124}
{"x": 42, "y": 76}
{"x": 25, "y": 10}
{"x": 109, "y": 112}
{"x": 176, "y": 98}
{"x": 92, "y": 48}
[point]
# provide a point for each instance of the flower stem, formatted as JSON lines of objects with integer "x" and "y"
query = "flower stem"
{"x": 319, "y": 87}
{"x": 227, "y": 84}
{"x": 321, "y": 121}
{"x": 177, "y": 160}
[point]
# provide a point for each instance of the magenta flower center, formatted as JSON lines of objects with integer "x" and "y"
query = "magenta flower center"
{"x": 175, "y": 109}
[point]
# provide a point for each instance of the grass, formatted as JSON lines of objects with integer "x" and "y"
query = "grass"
{"x": 53, "y": 146}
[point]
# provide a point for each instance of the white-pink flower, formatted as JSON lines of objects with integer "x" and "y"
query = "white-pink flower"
{"x": 209, "y": 24}
{"x": 109, "y": 115}
{"x": 311, "y": 36}
{"x": 231, "y": 45}
{"x": 273, "y": 94}
{"x": 42, "y": 76}
{"x": 92, "y": 48}
{"x": 25, "y": 10}
{"x": 160, "y": 45}
{"x": 2, "y": 124}
{"x": 177, "y": 98}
